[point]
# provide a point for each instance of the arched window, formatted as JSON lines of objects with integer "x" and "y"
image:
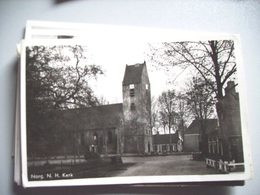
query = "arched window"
{"x": 95, "y": 138}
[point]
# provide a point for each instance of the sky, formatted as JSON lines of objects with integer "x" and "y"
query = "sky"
{"x": 112, "y": 48}
{"x": 113, "y": 57}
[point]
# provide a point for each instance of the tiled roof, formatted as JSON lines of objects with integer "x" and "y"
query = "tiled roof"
{"x": 165, "y": 138}
{"x": 133, "y": 74}
{"x": 195, "y": 126}
{"x": 97, "y": 117}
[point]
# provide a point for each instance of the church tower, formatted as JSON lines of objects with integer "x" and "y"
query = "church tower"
{"x": 137, "y": 110}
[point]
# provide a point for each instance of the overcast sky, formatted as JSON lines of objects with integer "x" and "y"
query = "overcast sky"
{"x": 113, "y": 57}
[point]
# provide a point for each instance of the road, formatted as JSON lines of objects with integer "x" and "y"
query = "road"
{"x": 165, "y": 165}
{"x": 132, "y": 166}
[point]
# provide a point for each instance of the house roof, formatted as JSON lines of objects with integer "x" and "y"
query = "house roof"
{"x": 133, "y": 73}
{"x": 97, "y": 117}
{"x": 165, "y": 138}
{"x": 195, "y": 126}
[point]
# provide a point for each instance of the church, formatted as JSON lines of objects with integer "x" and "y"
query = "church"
{"x": 123, "y": 128}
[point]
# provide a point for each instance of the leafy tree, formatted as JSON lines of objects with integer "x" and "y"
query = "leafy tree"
{"x": 56, "y": 79}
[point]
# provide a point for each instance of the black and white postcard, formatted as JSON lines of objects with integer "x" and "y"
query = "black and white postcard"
{"x": 127, "y": 109}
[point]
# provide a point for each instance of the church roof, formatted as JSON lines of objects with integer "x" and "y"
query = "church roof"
{"x": 133, "y": 73}
{"x": 165, "y": 138}
{"x": 91, "y": 118}
{"x": 210, "y": 125}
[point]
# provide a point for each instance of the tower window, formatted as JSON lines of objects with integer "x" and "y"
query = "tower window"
{"x": 132, "y": 107}
{"x": 132, "y": 90}
{"x": 146, "y": 86}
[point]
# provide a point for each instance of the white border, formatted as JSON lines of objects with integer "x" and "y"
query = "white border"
{"x": 17, "y": 148}
{"x": 94, "y": 33}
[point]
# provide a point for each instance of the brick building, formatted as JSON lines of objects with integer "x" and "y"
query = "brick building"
{"x": 137, "y": 110}
{"x": 106, "y": 129}
{"x": 227, "y": 141}
{"x": 193, "y": 134}
{"x": 166, "y": 143}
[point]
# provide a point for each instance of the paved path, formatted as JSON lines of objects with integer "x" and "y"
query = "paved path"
{"x": 165, "y": 165}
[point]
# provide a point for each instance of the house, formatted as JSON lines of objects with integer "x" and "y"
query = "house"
{"x": 166, "y": 143}
{"x": 226, "y": 143}
{"x": 107, "y": 129}
{"x": 193, "y": 134}
{"x": 225, "y": 150}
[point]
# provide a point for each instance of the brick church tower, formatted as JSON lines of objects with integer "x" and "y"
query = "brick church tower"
{"x": 137, "y": 110}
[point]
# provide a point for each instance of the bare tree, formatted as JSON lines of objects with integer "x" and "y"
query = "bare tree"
{"x": 213, "y": 60}
{"x": 183, "y": 113}
{"x": 167, "y": 106}
{"x": 163, "y": 121}
{"x": 154, "y": 115}
{"x": 200, "y": 103}
{"x": 102, "y": 101}
{"x": 200, "y": 100}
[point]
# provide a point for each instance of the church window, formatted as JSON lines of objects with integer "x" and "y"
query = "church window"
{"x": 109, "y": 137}
{"x": 213, "y": 147}
{"x": 221, "y": 148}
{"x": 132, "y": 90}
{"x": 82, "y": 139}
{"x": 217, "y": 146}
{"x": 132, "y": 107}
{"x": 209, "y": 144}
{"x": 95, "y": 138}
